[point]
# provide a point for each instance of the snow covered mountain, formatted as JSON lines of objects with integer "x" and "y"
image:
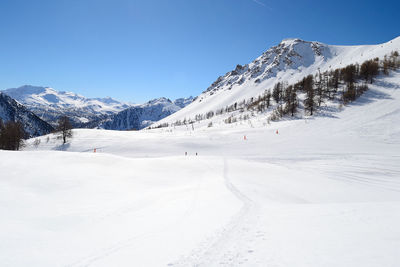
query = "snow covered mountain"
{"x": 50, "y": 104}
{"x": 141, "y": 116}
{"x": 290, "y": 61}
{"x": 107, "y": 113}
{"x": 10, "y": 110}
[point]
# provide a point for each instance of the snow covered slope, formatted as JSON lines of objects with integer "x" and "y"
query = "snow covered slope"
{"x": 289, "y": 61}
{"x": 50, "y": 104}
{"x": 10, "y": 110}
{"x": 141, "y": 116}
{"x": 323, "y": 192}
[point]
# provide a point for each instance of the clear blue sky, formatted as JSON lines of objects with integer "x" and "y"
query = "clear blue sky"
{"x": 135, "y": 50}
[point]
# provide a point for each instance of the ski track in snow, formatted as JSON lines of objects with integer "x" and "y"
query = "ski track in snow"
{"x": 216, "y": 251}
{"x": 210, "y": 251}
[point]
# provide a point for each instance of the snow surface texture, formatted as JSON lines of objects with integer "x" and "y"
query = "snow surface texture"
{"x": 10, "y": 110}
{"x": 322, "y": 192}
{"x": 289, "y": 61}
{"x": 141, "y": 116}
{"x": 50, "y": 104}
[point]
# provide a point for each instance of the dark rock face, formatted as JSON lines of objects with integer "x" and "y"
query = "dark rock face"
{"x": 141, "y": 116}
{"x": 10, "y": 110}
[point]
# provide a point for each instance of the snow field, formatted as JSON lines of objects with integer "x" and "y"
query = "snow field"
{"x": 77, "y": 209}
{"x": 323, "y": 192}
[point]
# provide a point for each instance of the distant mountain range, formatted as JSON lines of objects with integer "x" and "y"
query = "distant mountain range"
{"x": 49, "y": 104}
{"x": 140, "y": 116}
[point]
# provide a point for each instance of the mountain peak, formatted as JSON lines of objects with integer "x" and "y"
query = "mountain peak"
{"x": 289, "y": 61}
{"x": 290, "y": 54}
{"x": 290, "y": 41}
{"x": 26, "y": 90}
{"x": 294, "y": 41}
{"x": 159, "y": 100}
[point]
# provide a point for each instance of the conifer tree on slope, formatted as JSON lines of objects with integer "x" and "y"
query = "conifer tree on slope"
{"x": 309, "y": 101}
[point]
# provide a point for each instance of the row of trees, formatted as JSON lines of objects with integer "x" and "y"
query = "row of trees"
{"x": 12, "y": 134}
{"x": 390, "y": 62}
{"x": 345, "y": 85}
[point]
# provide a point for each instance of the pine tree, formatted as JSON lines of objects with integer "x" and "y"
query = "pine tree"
{"x": 277, "y": 92}
{"x": 319, "y": 89}
{"x": 268, "y": 99}
{"x": 309, "y": 101}
{"x": 308, "y": 83}
{"x": 349, "y": 74}
{"x": 386, "y": 65}
{"x": 333, "y": 83}
{"x": 293, "y": 102}
{"x": 368, "y": 70}
{"x": 395, "y": 58}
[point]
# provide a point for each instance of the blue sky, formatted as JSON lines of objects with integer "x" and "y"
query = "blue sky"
{"x": 136, "y": 50}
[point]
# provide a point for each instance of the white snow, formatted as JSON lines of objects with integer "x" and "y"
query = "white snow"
{"x": 322, "y": 192}
{"x": 290, "y": 61}
{"x": 46, "y": 97}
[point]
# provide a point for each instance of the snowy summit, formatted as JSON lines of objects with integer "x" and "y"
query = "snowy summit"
{"x": 49, "y": 104}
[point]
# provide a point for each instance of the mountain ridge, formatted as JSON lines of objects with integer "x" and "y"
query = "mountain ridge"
{"x": 289, "y": 61}
{"x": 140, "y": 116}
{"x": 50, "y": 104}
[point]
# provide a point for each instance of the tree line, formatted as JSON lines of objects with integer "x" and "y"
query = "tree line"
{"x": 343, "y": 84}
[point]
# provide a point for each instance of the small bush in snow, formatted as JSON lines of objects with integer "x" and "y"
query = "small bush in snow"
{"x": 36, "y": 143}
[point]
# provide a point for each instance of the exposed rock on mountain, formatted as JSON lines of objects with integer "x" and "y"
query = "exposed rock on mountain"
{"x": 50, "y": 104}
{"x": 141, "y": 116}
{"x": 10, "y": 110}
